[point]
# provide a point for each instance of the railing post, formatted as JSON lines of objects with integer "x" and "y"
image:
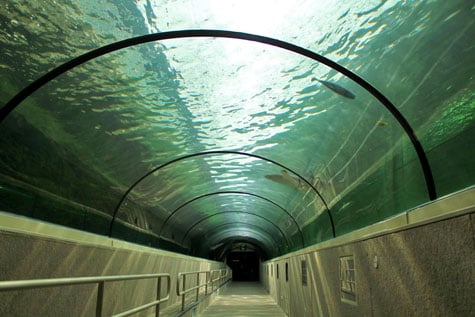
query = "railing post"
{"x": 184, "y": 294}
{"x": 213, "y": 277}
{"x": 207, "y": 281}
{"x": 197, "y": 285}
{"x": 100, "y": 299}
{"x": 159, "y": 290}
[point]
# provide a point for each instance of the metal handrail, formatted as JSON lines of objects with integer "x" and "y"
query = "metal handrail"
{"x": 100, "y": 281}
{"x": 181, "y": 290}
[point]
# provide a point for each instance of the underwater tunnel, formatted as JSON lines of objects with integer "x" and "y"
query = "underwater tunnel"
{"x": 242, "y": 150}
{"x": 244, "y": 172}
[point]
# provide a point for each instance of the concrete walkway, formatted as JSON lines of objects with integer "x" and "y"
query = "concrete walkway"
{"x": 243, "y": 299}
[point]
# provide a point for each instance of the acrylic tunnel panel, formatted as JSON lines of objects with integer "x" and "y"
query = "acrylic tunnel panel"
{"x": 295, "y": 143}
{"x": 237, "y": 203}
{"x": 116, "y": 125}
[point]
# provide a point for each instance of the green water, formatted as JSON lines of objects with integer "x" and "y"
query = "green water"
{"x": 71, "y": 150}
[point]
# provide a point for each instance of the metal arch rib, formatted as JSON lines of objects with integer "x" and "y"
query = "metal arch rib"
{"x": 257, "y": 238}
{"x": 232, "y": 211}
{"x": 231, "y": 192}
{"x": 229, "y": 241}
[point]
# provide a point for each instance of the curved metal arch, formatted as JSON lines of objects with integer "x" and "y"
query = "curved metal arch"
{"x": 423, "y": 160}
{"x": 240, "y": 212}
{"x": 267, "y": 244}
{"x": 221, "y": 152}
{"x": 247, "y": 228}
{"x": 252, "y": 240}
{"x": 229, "y": 241}
{"x": 233, "y": 192}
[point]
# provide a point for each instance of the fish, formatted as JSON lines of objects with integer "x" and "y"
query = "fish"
{"x": 336, "y": 88}
{"x": 284, "y": 178}
{"x": 382, "y": 123}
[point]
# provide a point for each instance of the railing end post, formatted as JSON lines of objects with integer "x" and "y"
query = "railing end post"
{"x": 100, "y": 298}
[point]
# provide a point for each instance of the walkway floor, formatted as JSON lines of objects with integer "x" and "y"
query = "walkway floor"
{"x": 243, "y": 299}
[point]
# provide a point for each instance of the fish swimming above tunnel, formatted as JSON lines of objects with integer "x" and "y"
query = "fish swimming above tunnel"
{"x": 285, "y": 178}
{"x": 336, "y": 88}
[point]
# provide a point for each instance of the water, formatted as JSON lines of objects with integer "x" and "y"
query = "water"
{"x": 76, "y": 145}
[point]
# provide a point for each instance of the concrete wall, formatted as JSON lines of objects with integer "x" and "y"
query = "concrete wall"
{"x": 426, "y": 268}
{"x": 27, "y": 255}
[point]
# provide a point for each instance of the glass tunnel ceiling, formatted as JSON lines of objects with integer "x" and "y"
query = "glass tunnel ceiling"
{"x": 199, "y": 144}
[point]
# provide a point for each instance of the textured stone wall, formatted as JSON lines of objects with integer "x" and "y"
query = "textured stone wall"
{"x": 427, "y": 270}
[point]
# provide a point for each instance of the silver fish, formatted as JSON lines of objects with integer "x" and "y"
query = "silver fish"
{"x": 336, "y": 88}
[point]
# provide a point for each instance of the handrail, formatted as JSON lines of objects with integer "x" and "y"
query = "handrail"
{"x": 100, "y": 281}
{"x": 223, "y": 276}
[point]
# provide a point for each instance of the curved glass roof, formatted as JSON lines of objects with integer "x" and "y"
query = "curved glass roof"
{"x": 164, "y": 124}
